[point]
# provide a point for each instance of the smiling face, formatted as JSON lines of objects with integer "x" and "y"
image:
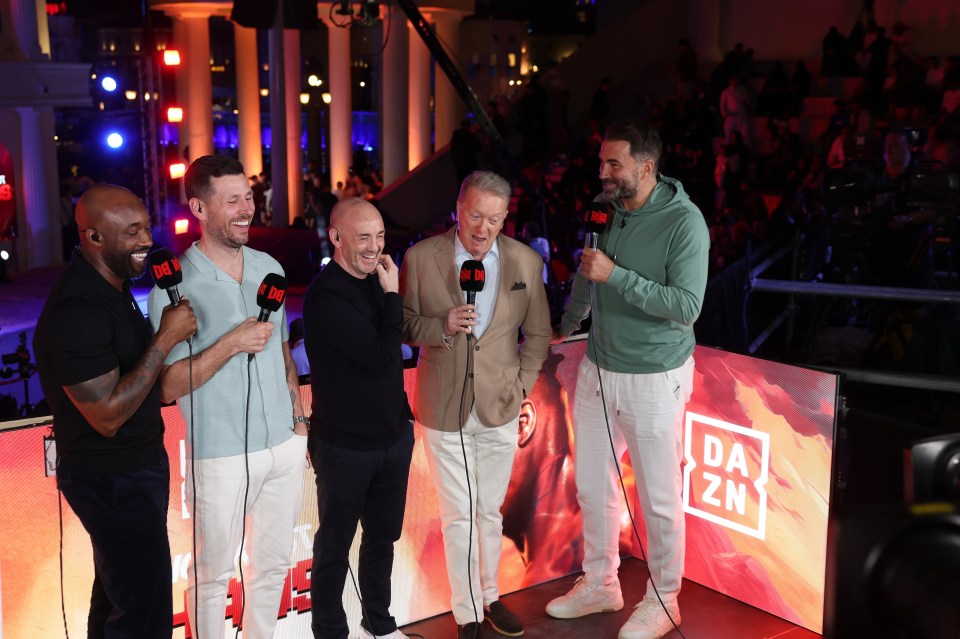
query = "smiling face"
{"x": 226, "y": 211}
{"x": 480, "y": 216}
{"x": 115, "y": 232}
{"x": 357, "y": 232}
{"x": 127, "y": 237}
{"x": 619, "y": 170}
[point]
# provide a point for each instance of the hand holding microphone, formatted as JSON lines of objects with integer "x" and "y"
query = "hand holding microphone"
{"x": 595, "y": 222}
{"x": 178, "y": 321}
{"x": 462, "y": 319}
{"x": 594, "y": 264}
{"x": 270, "y": 296}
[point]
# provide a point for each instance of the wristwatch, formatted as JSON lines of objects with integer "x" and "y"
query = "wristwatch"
{"x": 300, "y": 419}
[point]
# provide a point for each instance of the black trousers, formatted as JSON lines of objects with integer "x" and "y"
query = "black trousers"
{"x": 369, "y": 487}
{"x": 125, "y": 515}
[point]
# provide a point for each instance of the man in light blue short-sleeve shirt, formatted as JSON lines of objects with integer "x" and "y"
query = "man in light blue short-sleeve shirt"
{"x": 247, "y": 440}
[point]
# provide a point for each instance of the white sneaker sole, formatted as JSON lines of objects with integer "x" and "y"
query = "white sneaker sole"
{"x": 583, "y": 612}
{"x": 628, "y": 635}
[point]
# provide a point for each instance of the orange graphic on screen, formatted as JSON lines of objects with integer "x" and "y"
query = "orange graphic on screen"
{"x": 776, "y": 562}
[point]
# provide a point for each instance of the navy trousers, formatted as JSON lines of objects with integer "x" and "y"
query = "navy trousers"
{"x": 125, "y": 515}
{"x": 369, "y": 487}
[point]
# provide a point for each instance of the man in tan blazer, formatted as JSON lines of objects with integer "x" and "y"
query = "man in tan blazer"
{"x": 472, "y": 375}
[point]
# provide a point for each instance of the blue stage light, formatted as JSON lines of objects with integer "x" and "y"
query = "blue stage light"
{"x": 108, "y": 84}
{"x": 114, "y": 140}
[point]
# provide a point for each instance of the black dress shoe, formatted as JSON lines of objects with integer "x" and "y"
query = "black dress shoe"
{"x": 502, "y": 620}
{"x": 470, "y": 630}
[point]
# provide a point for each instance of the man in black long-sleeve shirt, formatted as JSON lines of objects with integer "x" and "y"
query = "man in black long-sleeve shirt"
{"x": 361, "y": 438}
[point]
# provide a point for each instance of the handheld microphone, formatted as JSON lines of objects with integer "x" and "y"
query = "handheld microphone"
{"x": 472, "y": 277}
{"x": 595, "y": 220}
{"x": 167, "y": 272}
{"x": 270, "y": 296}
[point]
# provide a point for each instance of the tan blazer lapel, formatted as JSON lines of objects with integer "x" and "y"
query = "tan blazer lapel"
{"x": 447, "y": 266}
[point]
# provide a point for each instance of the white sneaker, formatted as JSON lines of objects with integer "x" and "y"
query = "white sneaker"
{"x": 396, "y": 634}
{"x": 649, "y": 621}
{"x": 585, "y": 599}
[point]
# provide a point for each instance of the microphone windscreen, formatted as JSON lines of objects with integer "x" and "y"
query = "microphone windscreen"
{"x": 472, "y": 276}
{"x": 272, "y": 291}
{"x": 165, "y": 268}
{"x": 595, "y": 219}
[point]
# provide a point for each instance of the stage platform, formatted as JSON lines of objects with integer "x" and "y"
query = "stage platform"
{"x": 706, "y": 614}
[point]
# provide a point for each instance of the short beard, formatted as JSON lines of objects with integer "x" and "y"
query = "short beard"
{"x": 122, "y": 265}
{"x": 619, "y": 193}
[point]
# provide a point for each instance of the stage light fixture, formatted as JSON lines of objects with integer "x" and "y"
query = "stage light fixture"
{"x": 108, "y": 84}
{"x": 114, "y": 140}
{"x": 327, "y": 98}
{"x": 130, "y": 94}
{"x": 304, "y": 98}
{"x": 171, "y": 58}
{"x": 174, "y": 114}
{"x": 314, "y": 81}
{"x": 4, "y": 255}
{"x": 264, "y": 92}
{"x": 181, "y": 226}
{"x": 177, "y": 170}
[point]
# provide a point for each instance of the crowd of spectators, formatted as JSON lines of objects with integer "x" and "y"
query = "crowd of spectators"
{"x": 743, "y": 138}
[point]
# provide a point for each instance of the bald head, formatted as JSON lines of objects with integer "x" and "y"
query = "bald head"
{"x": 115, "y": 232}
{"x": 357, "y": 233}
{"x": 103, "y": 204}
{"x": 351, "y": 208}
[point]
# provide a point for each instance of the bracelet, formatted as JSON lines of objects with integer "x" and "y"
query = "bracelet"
{"x": 300, "y": 419}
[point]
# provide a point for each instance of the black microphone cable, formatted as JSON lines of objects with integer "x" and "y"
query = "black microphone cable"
{"x": 193, "y": 517}
{"x": 63, "y": 602}
{"x": 616, "y": 460}
{"x": 246, "y": 495}
{"x": 466, "y": 473}
{"x": 363, "y": 607}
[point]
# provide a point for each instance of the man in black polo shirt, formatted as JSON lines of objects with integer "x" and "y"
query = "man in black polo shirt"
{"x": 361, "y": 440}
{"x": 98, "y": 364}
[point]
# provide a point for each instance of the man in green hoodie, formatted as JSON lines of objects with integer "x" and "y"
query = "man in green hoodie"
{"x": 644, "y": 284}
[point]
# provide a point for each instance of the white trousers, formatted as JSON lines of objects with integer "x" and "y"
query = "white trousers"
{"x": 273, "y": 508}
{"x": 490, "y": 453}
{"x": 646, "y": 416}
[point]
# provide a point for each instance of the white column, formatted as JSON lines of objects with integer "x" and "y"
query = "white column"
{"x": 248, "y": 98}
{"x": 393, "y": 138}
{"x": 41, "y": 222}
{"x": 448, "y": 108}
{"x": 43, "y": 33}
{"x": 23, "y": 14}
{"x": 341, "y": 104}
{"x": 418, "y": 85}
{"x": 199, "y": 100}
{"x": 292, "y": 82}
